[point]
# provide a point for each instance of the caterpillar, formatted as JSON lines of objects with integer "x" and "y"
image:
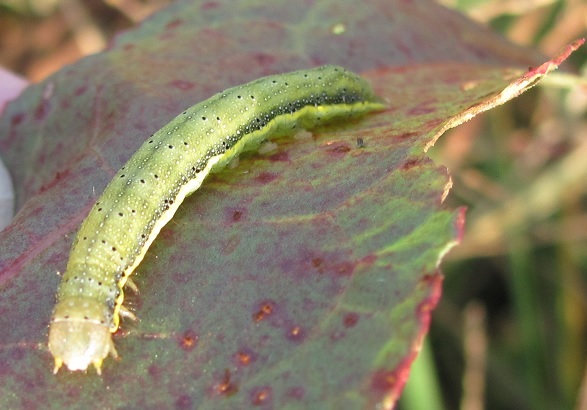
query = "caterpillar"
{"x": 170, "y": 165}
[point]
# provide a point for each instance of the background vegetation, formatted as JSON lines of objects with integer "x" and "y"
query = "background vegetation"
{"x": 510, "y": 330}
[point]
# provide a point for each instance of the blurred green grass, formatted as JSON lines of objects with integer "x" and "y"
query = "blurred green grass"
{"x": 520, "y": 273}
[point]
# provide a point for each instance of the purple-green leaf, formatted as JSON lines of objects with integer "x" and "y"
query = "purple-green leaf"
{"x": 302, "y": 277}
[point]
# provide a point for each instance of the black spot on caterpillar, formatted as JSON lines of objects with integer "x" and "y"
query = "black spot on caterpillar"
{"x": 144, "y": 195}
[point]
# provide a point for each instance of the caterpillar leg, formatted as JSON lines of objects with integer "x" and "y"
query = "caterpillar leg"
{"x": 58, "y": 364}
{"x": 133, "y": 286}
{"x": 124, "y": 312}
{"x": 98, "y": 363}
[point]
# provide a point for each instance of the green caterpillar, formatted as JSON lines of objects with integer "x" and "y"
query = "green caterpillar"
{"x": 171, "y": 164}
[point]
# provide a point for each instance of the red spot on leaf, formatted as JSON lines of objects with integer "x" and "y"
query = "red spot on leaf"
{"x": 183, "y": 402}
{"x": 265, "y": 310}
{"x": 261, "y": 396}
{"x": 65, "y": 104}
{"x": 80, "y": 90}
{"x": 226, "y": 386}
{"x": 343, "y": 268}
{"x": 408, "y": 135}
{"x": 389, "y": 383}
{"x": 383, "y": 381}
{"x": 423, "y": 108}
{"x": 173, "y": 24}
{"x": 17, "y": 118}
{"x": 245, "y": 357}
{"x": 155, "y": 371}
{"x": 296, "y": 393}
{"x": 317, "y": 263}
{"x": 266, "y": 177}
{"x": 167, "y": 234}
{"x": 237, "y": 215}
{"x": 350, "y": 319}
{"x": 433, "y": 123}
{"x": 188, "y": 341}
{"x": 337, "y": 149}
{"x": 296, "y": 334}
{"x": 279, "y": 157}
{"x": 210, "y": 5}
{"x": 264, "y": 59}
{"x": 369, "y": 259}
{"x": 58, "y": 177}
{"x": 182, "y": 84}
{"x": 42, "y": 110}
{"x": 410, "y": 163}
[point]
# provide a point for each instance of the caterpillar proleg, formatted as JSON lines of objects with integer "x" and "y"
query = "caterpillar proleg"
{"x": 144, "y": 195}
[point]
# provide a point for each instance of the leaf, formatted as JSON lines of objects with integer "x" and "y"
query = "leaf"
{"x": 303, "y": 277}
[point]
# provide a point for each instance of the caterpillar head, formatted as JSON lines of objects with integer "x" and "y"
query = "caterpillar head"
{"x": 79, "y": 334}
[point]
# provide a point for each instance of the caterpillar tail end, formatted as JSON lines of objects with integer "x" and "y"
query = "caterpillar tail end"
{"x": 79, "y": 335}
{"x": 97, "y": 365}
